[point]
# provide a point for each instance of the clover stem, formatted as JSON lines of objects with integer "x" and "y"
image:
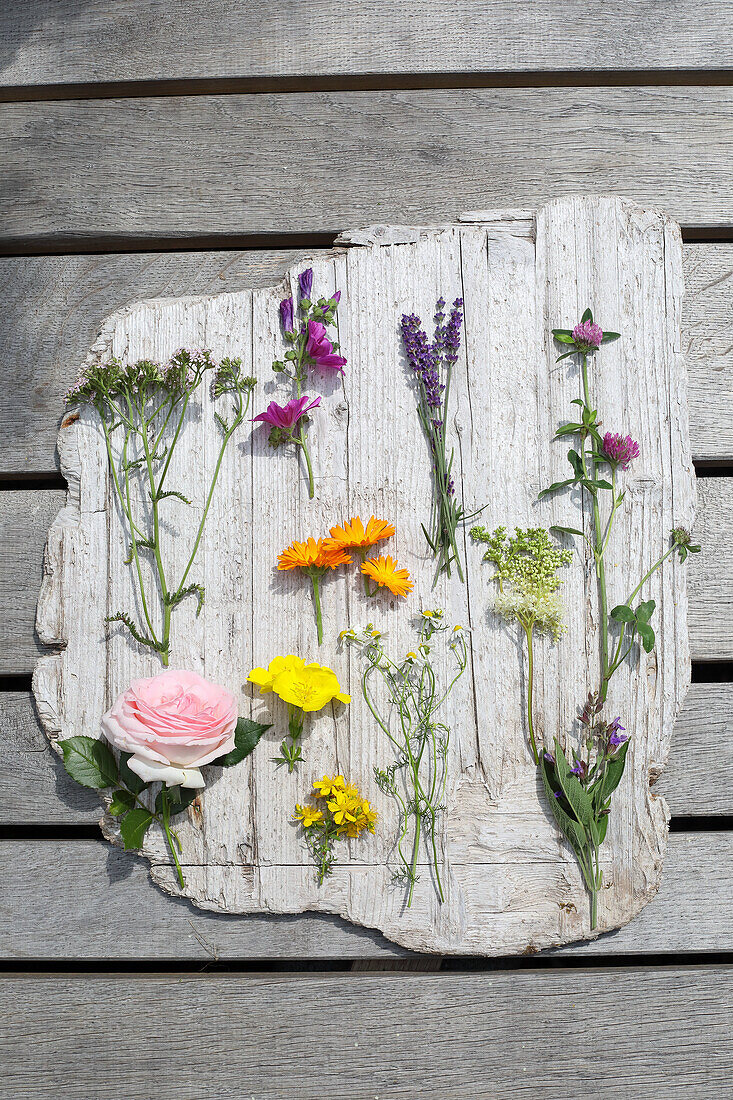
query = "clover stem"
{"x": 598, "y": 535}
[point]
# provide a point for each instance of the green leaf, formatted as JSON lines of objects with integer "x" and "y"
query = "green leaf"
{"x": 646, "y": 633}
{"x": 587, "y": 316}
{"x": 602, "y": 825}
{"x": 89, "y": 762}
{"x": 122, "y": 801}
{"x": 246, "y": 736}
{"x": 134, "y": 826}
{"x": 551, "y": 489}
{"x": 615, "y": 771}
{"x": 562, "y": 332}
{"x": 572, "y": 829}
{"x": 567, "y": 429}
{"x": 576, "y": 462}
{"x": 565, "y": 355}
{"x": 567, "y": 530}
{"x": 179, "y": 799}
{"x": 573, "y": 790}
{"x": 694, "y": 549}
{"x": 132, "y": 781}
{"x": 622, "y": 613}
{"x": 599, "y": 484}
{"x": 562, "y": 337}
{"x": 645, "y": 610}
{"x": 609, "y": 337}
{"x": 578, "y": 401}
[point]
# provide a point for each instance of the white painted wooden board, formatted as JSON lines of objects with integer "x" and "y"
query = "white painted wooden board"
{"x": 506, "y": 869}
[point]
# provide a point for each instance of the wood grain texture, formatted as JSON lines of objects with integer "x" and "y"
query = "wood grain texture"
{"x": 235, "y": 164}
{"x": 505, "y": 869}
{"x": 123, "y": 917}
{"x": 86, "y": 41}
{"x": 35, "y": 789}
{"x": 711, "y": 589}
{"x": 55, "y": 306}
{"x": 490, "y": 1036}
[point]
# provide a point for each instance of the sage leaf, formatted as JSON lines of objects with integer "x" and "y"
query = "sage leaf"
{"x": 615, "y": 771}
{"x": 89, "y": 762}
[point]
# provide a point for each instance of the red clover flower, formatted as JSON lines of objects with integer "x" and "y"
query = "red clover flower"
{"x": 620, "y": 450}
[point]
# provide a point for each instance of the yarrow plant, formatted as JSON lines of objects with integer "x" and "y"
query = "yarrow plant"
{"x": 339, "y": 811}
{"x": 142, "y": 407}
{"x": 526, "y": 572}
{"x": 166, "y": 729}
{"x": 432, "y": 368}
{"x": 305, "y": 330}
{"x": 305, "y": 688}
{"x": 406, "y": 712}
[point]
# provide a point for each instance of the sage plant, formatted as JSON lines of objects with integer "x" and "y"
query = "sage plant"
{"x": 142, "y": 407}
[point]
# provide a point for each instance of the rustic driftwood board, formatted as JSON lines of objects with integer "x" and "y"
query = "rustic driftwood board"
{"x": 511, "y": 881}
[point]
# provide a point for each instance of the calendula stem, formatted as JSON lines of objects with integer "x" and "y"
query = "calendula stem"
{"x": 316, "y": 582}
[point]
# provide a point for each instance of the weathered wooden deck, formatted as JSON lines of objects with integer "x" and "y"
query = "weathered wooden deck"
{"x": 159, "y": 148}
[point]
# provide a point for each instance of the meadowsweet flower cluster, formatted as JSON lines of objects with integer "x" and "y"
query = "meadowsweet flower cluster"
{"x": 339, "y": 811}
{"x": 142, "y": 408}
{"x": 405, "y": 709}
{"x": 432, "y": 367}
{"x": 305, "y": 330}
{"x": 305, "y": 688}
{"x": 316, "y": 556}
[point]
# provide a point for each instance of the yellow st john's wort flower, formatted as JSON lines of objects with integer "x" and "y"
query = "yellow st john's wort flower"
{"x": 326, "y": 786}
{"x": 346, "y": 813}
{"x": 308, "y": 815}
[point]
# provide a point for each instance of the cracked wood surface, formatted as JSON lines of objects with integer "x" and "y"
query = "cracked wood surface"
{"x": 504, "y": 864}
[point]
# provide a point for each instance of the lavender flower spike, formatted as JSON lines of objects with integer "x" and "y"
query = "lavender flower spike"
{"x": 620, "y": 450}
{"x": 305, "y": 282}
{"x": 587, "y": 336}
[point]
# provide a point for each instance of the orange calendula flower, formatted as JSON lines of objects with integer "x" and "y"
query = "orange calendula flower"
{"x": 355, "y": 536}
{"x": 314, "y": 557}
{"x": 384, "y": 572}
{"x": 312, "y": 554}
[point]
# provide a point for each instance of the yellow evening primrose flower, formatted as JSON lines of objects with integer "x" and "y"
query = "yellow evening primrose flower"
{"x": 308, "y": 815}
{"x": 263, "y": 677}
{"x": 310, "y": 688}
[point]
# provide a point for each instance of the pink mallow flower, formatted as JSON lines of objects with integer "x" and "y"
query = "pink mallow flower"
{"x": 287, "y": 416}
{"x": 588, "y": 335}
{"x": 620, "y": 449}
{"x": 319, "y": 348}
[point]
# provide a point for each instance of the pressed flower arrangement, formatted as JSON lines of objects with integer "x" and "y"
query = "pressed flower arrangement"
{"x": 581, "y": 773}
{"x": 305, "y": 328}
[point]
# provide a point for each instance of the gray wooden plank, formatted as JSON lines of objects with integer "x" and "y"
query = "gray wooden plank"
{"x": 25, "y": 516}
{"x": 633, "y": 1033}
{"x": 65, "y": 900}
{"x": 54, "y": 307}
{"x": 237, "y": 164}
{"x": 698, "y": 779}
{"x": 86, "y": 40}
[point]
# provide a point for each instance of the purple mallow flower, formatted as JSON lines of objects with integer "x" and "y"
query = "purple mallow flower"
{"x": 587, "y": 335}
{"x": 620, "y": 449}
{"x": 305, "y": 282}
{"x": 615, "y": 735}
{"x": 287, "y": 416}
{"x": 318, "y": 348}
{"x": 286, "y": 314}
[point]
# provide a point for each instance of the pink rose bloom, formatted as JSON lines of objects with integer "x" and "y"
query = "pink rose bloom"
{"x": 172, "y": 724}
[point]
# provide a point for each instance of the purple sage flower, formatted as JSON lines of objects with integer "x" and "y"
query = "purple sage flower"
{"x": 587, "y": 336}
{"x": 287, "y": 416}
{"x": 580, "y": 768}
{"x": 620, "y": 449}
{"x": 286, "y": 314}
{"x": 305, "y": 282}
{"x": 319, "y": 348}
{"x": 549, "y": 758}
{"x": 615, "y": 737}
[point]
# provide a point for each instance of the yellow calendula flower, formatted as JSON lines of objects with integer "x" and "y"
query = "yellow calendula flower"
{"x": 264, "y": 677}
{"x": 309, "y": 688}
{"x": 308, "y": 815}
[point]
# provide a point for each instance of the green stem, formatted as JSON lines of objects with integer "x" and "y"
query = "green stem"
{"x": 133, "y": 538}
{"x": 413, "y": 866}
{"x": 300, "y": 440}
{"x": 169, "y": 838}
{"x": 530, "y": 690}
{"x": 316, "y": 582}
{"x": 154, "y": 490}
{"x": 598, "y": 535}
